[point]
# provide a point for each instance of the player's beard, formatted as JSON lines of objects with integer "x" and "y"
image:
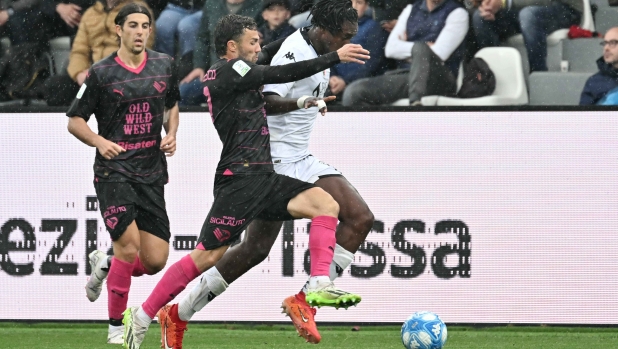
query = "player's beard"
{"x": 137, "y": 51}
{"x": 247, "y": 55}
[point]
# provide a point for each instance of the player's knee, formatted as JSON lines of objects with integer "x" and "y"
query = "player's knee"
{"x": 207, "y": 261}
{"x": 258, "y": 254}
{"x": 154, "y": 267}
{"x": 328, "y": 206}
{"x": 360, "y": 220}
{"x": 364, "y": 221}
{"x": 126, "y": 253}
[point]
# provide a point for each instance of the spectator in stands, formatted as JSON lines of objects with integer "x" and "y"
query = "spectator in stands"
{"x": 301, "y": 17}
{"x": 96, "y": 39}
{"x": 386, "y": 11}
{"x": 276, "y": 14}
{"x": 37, "y": 21}
{"x": 602, "y": 87}
{"x": 299, "y": 6}
{"x": 428, "y": 42}
{"x": 373, "y": 38}
{"x": 180, "y": 18}
{"x": 204, "y": 54}
{"x": 496, "y": 20}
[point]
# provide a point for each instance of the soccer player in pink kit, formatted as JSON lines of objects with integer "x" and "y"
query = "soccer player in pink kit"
{"x": 133, "y": 94}
{"x": 334, "y": 23}
{"x": 246, "y": 186}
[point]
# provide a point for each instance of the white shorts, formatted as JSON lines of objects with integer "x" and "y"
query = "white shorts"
{"x": 308, "y": 169}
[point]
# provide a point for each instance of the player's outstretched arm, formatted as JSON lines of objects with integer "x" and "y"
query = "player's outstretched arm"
{"x": 80, "y": 129}
{"x": 171, "y": 119}
{"x": 276, "y": 104}
{"x": 350, "y": 53}
{"x": 268, "y": 52}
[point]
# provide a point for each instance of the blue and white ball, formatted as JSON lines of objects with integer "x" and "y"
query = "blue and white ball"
{"x": 423, "y": 330}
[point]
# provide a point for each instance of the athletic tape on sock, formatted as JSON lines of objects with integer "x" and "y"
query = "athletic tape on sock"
{"x": 342, "y": 258}
{"x": 210, "y": 286}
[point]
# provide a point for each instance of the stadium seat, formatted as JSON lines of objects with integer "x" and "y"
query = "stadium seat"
{"x": 554, "y": 46}
{"x": 600, "y": 3}
{"x": 582, "y": 54}
{"x": 555, "y": 88}
{"x": 60, "y": 50}
{"x": 606, "y": 18}
{"x": 505, "y": 62}
{"x": 404, "y": 102}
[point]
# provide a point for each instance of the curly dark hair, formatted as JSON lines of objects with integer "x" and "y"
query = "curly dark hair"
{"x": 332, "y": 14}
{"x": 231, "y": 27}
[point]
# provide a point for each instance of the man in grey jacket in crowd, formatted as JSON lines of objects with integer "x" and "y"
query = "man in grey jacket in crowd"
{"x": 496, "y": 20}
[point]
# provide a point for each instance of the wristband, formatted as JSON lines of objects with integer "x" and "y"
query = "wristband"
{"x": 301, "y": 102}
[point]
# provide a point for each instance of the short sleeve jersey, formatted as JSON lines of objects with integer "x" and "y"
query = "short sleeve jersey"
{"x": 290, "y": 132}
{"x": 236, "y": 106}
{"x": 129, "y": 104}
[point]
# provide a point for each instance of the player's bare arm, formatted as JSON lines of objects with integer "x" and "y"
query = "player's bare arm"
{"x": 171, "y": 119}
{"x": 80, "y": 129}
{"x": 276, "y": 104}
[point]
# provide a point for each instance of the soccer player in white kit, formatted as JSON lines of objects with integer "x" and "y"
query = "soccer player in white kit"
{"x": 290, "y": 121}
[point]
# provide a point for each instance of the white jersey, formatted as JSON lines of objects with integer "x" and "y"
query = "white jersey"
{"x": 289, "y": 133}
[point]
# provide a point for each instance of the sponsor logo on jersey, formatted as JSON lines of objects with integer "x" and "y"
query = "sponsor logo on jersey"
{"x": 111, "y": 222}
{"x": 221, "y": 234}
{"x": 114, "y": 210}
{"x": 119, "y": 91}
{"x": 290, "y": 56}
{"x": 138, "y": 145}
{"x": 241, "y": 68}
{"x": 226, "y": 220}
{"x": 160, "y": 86}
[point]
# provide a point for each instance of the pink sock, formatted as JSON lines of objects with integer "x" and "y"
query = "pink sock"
{"x": 175, "y": 279}
{"x": 138, "y": 268}
{"x": 322, "y": 244}
{"x": 118, "y": 285}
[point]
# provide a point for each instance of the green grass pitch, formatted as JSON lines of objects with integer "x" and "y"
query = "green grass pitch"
{"x": 92, "y": 336}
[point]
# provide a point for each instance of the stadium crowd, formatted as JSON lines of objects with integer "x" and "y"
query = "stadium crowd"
{"x": 418, "y": 47}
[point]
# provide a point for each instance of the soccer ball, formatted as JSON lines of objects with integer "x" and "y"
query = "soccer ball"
{"x": 423, "y": 330}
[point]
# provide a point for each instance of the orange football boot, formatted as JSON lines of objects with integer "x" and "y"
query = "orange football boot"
{"x": 302, "y": 317}
{"x": 172, "y": 328}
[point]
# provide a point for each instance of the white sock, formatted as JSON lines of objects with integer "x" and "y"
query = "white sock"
{"x": 341, "y": 260}
{"x": 317, "y": 281}
{"x": 113, "y": 328}
{"x": 211, "y": 285}
{"x": 142, "y": 318}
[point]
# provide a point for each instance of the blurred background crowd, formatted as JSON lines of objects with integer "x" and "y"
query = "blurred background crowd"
{"x": 423, "y": 52}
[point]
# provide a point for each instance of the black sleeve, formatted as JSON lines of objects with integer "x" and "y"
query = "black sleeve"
{"x": 269, "y": 51}
{"x": 173, "y": 92}
{"x": 87, "y": 98}
{"x": 258, "y": 75}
